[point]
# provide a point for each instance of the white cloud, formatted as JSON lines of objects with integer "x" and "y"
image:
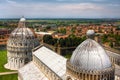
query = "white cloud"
{"x": 82, "y": 6}
{"x": 55, "y": 10}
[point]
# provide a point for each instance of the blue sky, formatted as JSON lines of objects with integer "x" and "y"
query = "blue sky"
{"x": 60, "y": 8}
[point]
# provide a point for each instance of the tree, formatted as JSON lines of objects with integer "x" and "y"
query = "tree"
{"x": 62, "y": 31}
{"x": 50, "y": 40}
{"x": 47, "y": 39}
{"x": 61, "y": 42}
{"x": 111, "y": 44}
{"x": 48, "y": 27}
{"x": 105, "y": 38}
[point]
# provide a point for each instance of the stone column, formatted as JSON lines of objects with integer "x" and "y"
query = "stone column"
{"x": 92, "y": 77}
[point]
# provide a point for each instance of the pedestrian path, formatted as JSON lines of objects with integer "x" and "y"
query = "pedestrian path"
{"x": 6, "y": 73}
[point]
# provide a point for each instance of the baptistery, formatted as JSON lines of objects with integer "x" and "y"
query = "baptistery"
{"x": 19, "y": 46}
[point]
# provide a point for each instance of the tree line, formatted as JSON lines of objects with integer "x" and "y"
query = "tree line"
{"x": 70, "y": 41}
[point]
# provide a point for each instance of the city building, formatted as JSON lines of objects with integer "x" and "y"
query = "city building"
{"x": 41, "y": 34}
{"x": 60, "y": 35}
{"x": 89, "y": 61}
{"x": 19, "y": 46}
{"x": 4, "y": 34}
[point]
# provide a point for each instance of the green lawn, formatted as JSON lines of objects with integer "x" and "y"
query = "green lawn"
{"x": 68, "y": 56}
{"x": 2, "y": 27}
{"x": 9, "y": 77}
{"x": 3, "y": 60}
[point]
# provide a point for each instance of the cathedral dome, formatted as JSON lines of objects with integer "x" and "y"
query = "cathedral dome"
{"x": 90, "y": 56}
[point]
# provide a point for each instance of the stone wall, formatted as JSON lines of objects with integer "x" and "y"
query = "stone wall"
{"x": 61, "y": 50}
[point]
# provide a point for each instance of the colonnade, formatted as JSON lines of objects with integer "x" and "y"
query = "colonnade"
{"x": 107, "y": 74}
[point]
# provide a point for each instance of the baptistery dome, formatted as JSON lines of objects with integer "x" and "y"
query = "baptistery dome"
{"x": 19, "y": 46}
{"x": 90, "y": 59}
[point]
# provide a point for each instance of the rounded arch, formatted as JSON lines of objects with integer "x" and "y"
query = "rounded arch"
{"x": 26, "y": 60}
{"x": 68, "y": 78}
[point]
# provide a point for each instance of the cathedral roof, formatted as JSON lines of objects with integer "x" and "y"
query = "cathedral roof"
{"x": 89, "y": 55}
{"x": 31, "y": 72}
{"x": 55, "y": 62}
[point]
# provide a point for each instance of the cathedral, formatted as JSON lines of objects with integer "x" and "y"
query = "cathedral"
{"x": 89, "y": 61}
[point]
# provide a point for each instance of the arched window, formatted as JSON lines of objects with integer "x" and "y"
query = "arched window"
{"x": 26, "y": 60}
{"x": 26, "y": 53}
{"x": 25, "y": 44}
{"x": 20, "y": 44}
{"x": 21, "y": 61}
{"x": 69, "y": 78}
{"x": 16, "y": 61}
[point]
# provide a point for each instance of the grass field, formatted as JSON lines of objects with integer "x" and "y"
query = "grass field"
{"x": 3, "y": 61}
{"x": 68, "y": 56}
{"x": 9, "y": 77}
{"x": 2, "y": 27}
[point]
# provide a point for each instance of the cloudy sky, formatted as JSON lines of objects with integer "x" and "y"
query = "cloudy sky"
{"x": 60, "y": 8}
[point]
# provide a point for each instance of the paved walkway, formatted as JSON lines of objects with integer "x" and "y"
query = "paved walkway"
{"x": 6, "y": 73}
